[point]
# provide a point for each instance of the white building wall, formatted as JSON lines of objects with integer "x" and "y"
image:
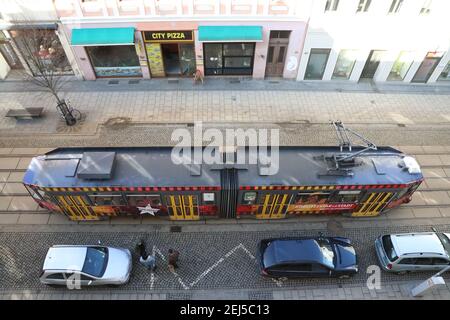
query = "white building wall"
{"x": 28, "y": 10}
{"x": 378, "y": 30}
{"x": 4, "y": 68}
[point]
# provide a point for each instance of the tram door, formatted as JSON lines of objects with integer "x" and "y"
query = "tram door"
{"x": 373, "y": 203}
{"x": 76, "y": 208}
{"x": 273, "y": 206}
{"x": 183, "y": 207}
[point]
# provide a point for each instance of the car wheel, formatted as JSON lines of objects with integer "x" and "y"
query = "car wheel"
{"x": 52, "y": 285}
{"x": 282, "y": 279}
{"x": 344, "y": 276}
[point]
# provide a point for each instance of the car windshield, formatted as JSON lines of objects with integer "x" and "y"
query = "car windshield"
{"x": 445, "y": 241}
{"x": 327, "y": 252}
{"x": 96, "y": 259}
{"x": 389, "y": 248}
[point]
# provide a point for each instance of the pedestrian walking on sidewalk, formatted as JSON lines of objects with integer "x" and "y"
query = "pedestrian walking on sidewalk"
{"x": 173, "y": 259}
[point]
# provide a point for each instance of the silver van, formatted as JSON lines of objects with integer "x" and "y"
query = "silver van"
{"x": 406, "y": 252}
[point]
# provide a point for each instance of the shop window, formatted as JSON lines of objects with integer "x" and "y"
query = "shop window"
{"x": 114, "y": 61}
{"x": 142, "y": 200}
{"x": 187, "y": 59}
{"x": 401, "y": 66}
{"x": 363, "y": 5}
{"x": 249, "y": 198}
{"x": 42, "y": 51}
{"x": 347, "y": 196}
{"x": 229, "y": 58}
{"x": 344, "y": 64}
{"x": 107, "y": 199}
{"x": 445, "y": 74}
{"x": 312, "y": 198}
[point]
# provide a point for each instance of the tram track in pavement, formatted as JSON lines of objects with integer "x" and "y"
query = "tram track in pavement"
{"x": 14, "y": 198}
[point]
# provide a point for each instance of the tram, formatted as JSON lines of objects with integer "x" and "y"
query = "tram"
{"x": 94, "y": 183}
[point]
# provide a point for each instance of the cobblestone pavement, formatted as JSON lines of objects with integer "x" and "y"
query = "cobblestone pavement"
{"x": 127, "y": 134}
{"x": 209, "y": 261}
{"x": 116, "y": 105}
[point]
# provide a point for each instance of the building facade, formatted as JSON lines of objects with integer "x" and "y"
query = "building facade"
{"x": 395, "y": 41}
{"x": 37, "y": 20}
{"x": 392, "y": 41}
{"x": 153, "y": 39}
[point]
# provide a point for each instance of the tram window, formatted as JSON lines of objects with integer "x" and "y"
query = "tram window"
{"x": 208, "y": 198}
{"x": 347, "y": 196}
{"x": 142, "y": 200}
{"x": 312, "y": 197}
{"x": 107, "y": 199}
{"x": 249, "y": 198}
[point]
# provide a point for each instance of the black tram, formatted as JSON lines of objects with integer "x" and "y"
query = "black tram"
{"x": 93, "y": 183}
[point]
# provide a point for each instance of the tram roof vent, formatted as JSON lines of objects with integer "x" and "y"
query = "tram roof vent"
{"x": 96, "y": 165}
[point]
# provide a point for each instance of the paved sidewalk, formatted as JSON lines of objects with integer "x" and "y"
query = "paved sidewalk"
{"x": 160, "y": 101}
{"x": 395, "y": 291}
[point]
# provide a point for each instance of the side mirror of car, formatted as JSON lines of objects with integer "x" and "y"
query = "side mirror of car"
{"x": 90, "y": 282}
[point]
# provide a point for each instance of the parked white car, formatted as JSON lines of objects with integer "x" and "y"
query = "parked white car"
{"x": 423, "y": 251}
{"x": 72, "y": 265}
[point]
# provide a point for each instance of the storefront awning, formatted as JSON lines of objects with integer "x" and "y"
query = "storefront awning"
{"x": 102, "y": 36}
{"x": 230, "y": 33}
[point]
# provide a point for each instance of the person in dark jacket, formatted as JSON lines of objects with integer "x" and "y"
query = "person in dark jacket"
{"x": 173, "y": 258}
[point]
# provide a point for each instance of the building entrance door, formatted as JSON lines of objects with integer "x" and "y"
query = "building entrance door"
{"x": 371, "y": 65}
{"x": 276, "y": 54}
{"x": 171, "y": 58}
{"x": 427, "y": 67}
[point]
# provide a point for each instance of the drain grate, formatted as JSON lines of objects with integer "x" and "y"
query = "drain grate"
{"x": 133, "y": 81}
{"x": 175, "y": 229}
{"x": 401, "y": 125}
{"x": 173, "y": 81}
{"x": 274, "y": 81}
{"x": 235, "y": 81}
{"x": 113, "y": 82}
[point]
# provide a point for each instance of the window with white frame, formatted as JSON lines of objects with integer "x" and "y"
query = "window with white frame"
{"x": 363, "y": 6}
{"x": 331, "y": 5}
{"x": 401, "y": 66}
{"x": 344, "y": 65}
{"x": 395, "y": 6}
{"x": 425, "y": 7}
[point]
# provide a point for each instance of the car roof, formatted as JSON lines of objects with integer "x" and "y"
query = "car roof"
{"x": 65, "y": 258}
{"x": 298, "y": 250}
{"x": 412, "y": 243}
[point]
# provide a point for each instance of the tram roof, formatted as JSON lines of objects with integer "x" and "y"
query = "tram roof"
{"x": 152, "y": 166}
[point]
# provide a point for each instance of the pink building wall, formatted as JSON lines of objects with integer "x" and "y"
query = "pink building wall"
{"x": 296, "y": 40}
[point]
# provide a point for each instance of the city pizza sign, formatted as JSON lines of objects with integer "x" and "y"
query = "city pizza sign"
{"x": 168, "y": 36}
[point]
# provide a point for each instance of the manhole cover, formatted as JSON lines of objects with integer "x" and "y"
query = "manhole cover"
{"x": 113, "y": 82}
{"x": 274, "y": 81}
{"x": 172, "y": 81}
{"x": 175, "y": 229}
{"x": 133, "y": 82}
{"x": 401, "y": 125}
{"x": 235, "y": 81}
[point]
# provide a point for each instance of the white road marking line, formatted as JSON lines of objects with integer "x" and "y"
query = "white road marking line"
{"x": 201, "y": 276}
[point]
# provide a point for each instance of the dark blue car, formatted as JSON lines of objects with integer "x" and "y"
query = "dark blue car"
{"x": 307, "y": 257}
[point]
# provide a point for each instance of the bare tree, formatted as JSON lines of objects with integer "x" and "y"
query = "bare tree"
{"x": 47, "y": 62}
